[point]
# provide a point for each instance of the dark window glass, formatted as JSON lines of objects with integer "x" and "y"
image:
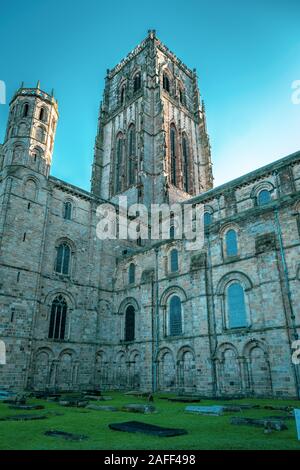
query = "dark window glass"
{"x": 174, "y": 260}
{"x": 207, "y": 218}
{"x": 58, "y": 318}
{"x": 175, "y": 316}
{"x": 131, "y": 155}
{"x": 264, "y": 197}
{"x": 231, "y": 243}
{"x": 137, "y": 82}
{"x": 67, "y": 211}
{"x": 42, "y": 114}
{"x": 131, "y": 273}
{"x": 129, "y": 323}
{"x": 236, "y": 306}
{"x": 173, "y": 155}
{"x": 119, "y": 161}
{"x": 181, "y": 96}
{"x": 25, "y": 110}
{"x": 166, "y": 83}
{"x": 63, "y": 259}
{"x": 122, "y": 95}
{"x": 172, "y": 231}
{"x": 185, "y": 165}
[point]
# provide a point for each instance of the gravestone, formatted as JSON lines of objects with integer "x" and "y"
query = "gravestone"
{"x": 138, "y": 408}
{"x": 277, "y": 425}
{"x": 183, "y": 399}
{"x": 145, "y": 428}
{"x": 22, "y": 417}
{"x": 101, "y": 408}
{"x": 26, "y": 407}
{"x": 214, "y": 410}
{"x": 297, "y": 418}
{"x": 66, "y": 435}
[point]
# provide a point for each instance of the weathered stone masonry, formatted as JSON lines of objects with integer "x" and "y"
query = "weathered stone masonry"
{"x": 78, "y": 313}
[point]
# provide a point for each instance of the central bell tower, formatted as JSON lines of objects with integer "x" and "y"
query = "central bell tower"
{"x": 152, "y": 145}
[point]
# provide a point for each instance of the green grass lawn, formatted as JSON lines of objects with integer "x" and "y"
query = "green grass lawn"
{"x": 204, "y": 432}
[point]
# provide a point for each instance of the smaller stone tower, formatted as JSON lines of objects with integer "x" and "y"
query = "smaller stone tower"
{"x": 30, "y": 130}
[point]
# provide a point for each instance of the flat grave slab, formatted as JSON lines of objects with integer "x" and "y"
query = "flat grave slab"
{"x": 273, "y": 424}
{"x": 145, "y": 428}
{"x": 26, "y": 407}
{"x": 139, "y": 408}
{"x": 23, "y": 417}
{"x": 214, "y": 410}
{"x": 185, "y": 399}
{"x": 101, "y": 408}
{"x": 66, "y": 435}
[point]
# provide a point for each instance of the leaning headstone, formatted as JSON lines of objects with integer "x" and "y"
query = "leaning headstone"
{"x": 145, "y": 428}
{"x": 214, "y": 410}
{"x": 101, "y": 408}
{"x": 297, "y": 418}
{"x": 138, "y": 408}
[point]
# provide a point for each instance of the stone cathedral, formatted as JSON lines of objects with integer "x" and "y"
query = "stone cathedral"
{"x": 79, "y": 313}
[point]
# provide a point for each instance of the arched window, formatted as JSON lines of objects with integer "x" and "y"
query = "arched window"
{"x": 119, "y": 163}
{"x": 42, "y": 115}
{"x": 173, "y": 155}
{"x": 63, "y": 258}
{"x": 175, "y": 316}
{"x": 137, "y": 82}
{"x": 236, "y": 306}
{"x": 172, "y": 231}
{"x": 58, "y": 318}
{"x": 263, "y": 197}
{"x": 122, "y": 95}
{"x": 129, "y": 323}
{"x": 131, "y": 273}
{"x": 166, "y": 83}
{"x": 25, "y": 109}
{"x": 174, "y": 261}
{"x": 131, "y": 154}
{"x": 67, "y": 210}
{"x": 185, "y": 164}
{"x": 231, "y": 243}
{"x": 181, "y": 96}
{"x": 207, "y": 218}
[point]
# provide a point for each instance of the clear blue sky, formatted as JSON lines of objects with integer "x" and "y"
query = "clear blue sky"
{"x": 247, "y": 54}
